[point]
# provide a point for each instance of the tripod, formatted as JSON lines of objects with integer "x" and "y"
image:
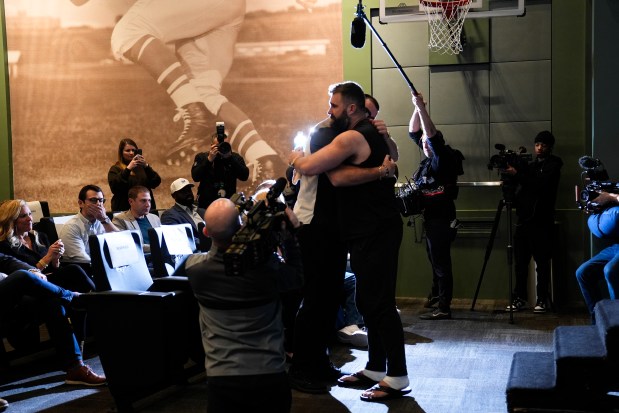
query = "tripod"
{"x": 507, "y": 203}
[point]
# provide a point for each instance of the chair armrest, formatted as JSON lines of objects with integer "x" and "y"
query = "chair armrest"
{"x": 83, "y": 301}
{"x": 171, "y": 283}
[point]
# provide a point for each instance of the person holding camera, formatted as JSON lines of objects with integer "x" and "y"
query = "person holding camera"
{"x": 240, "y": 316}
{"x": 436, "y": 177}
{"x": 604, "y": 266}
{"x": 130, "y": 170}
{"x": 537, "y": 184}
{"x": 218, "y": 170}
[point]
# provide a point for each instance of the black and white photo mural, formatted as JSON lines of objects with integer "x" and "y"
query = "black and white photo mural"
{"x": 86, "y": 74}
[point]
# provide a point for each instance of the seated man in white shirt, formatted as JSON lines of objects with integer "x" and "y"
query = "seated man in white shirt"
{"x": 91, "y": 220}
{"x": 185, "y": 211}
{"x": 138, "y": 215}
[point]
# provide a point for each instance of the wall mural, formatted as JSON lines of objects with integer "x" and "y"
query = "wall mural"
{"x": 86, "y": 74}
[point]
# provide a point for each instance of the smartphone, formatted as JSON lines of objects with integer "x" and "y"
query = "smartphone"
{"x": 138, "y": 152}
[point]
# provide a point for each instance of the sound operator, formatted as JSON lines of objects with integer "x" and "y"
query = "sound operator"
{"x": 604, "y": 266}
{"x": 240, "y": 318}
{"x": 436, "y": 177}
{"x": 534, "y": 200}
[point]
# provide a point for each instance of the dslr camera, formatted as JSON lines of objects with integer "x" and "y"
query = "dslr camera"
{"x": 595, "y": 179}
{"x": 260, "y": 235}
{"x": 507, "y": 157}
{"x": 223, "y": 147}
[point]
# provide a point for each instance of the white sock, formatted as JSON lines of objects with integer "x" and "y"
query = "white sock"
{"x": 374, "y": 375}
{"x": 396, "y": 383}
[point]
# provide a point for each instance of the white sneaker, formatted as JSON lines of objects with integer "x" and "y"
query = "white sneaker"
{"x": 353, "y": 335}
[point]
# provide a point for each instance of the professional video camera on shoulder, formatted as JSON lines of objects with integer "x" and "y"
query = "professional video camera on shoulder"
{"x": 506, "y": 158}
{"x": 595, "y": 179}
{"x": 223, "y": 147}
{"x": 261, "y": 234}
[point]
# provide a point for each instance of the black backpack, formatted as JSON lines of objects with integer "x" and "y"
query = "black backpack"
{"x": 458, "y": 158}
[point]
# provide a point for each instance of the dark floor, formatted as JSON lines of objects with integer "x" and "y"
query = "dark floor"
{"x": 459, "y": 365}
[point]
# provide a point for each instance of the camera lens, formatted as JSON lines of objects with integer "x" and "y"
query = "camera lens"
{"x": 224, "y": 148}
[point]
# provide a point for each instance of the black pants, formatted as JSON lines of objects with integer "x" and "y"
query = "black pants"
{"x": 374, "y": 260}
{"x": 533, "y": 240}
{"x": 439, "y": 236}
{"x": 324, "y": 267}
{"x": 263, "y": 393}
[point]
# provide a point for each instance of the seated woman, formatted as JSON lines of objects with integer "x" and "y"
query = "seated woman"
{"x": 17, "y": 238}
{"x": 19, "y": 281}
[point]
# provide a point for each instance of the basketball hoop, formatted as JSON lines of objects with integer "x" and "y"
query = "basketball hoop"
{"x": 445, "y": 19}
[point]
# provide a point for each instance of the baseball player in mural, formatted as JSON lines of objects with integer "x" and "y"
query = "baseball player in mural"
{"x": 203, "y": 33}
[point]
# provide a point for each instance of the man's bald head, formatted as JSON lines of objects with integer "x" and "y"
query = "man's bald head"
{"x": 222, "y": 221}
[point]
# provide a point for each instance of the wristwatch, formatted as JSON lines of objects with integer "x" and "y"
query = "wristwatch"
{"x": 107, "y": 220}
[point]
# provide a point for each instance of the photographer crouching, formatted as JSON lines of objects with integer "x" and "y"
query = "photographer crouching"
{"x": 240, "y": 318}
{"x": 537, "y": 183}
{"x": 436, "y": 177}
{"x": 604, "y": 266}
{"x": 218, "y": 169}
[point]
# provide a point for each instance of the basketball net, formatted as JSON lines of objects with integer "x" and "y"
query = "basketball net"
{"x": 445, "y": 19}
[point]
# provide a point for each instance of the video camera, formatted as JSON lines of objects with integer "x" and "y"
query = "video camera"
{"x": 595, "y": 179}
{"x": 507, "y": 157}
{"x": 409, "y": 199}
{"x": 261, "y": 233}
{"x": 223, "y": 146}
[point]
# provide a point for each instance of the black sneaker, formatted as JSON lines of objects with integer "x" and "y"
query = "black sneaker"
{"x": 305, "y": 383}
{"x": 193, "y": 139}
{"x": 437, "y": 314}
{"x": 517, "y": 305}
{"x": 328, "y": 373}
{"x": 430, "y": 302}
{"x": 540, "y": 307}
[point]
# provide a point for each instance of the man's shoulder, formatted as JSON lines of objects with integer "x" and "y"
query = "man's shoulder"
{"x": 73, "y": 223}
{"x": 124, "y": 215}
{"x": 171, "y": 214}
{"x": 153, "y": 219}
{"x": 121, "y": 218}
{"x": 556, "y": 160}
{"x": 196, "y": 259}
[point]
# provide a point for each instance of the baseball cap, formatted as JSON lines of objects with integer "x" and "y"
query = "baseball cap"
{"x": 179, "y": 184}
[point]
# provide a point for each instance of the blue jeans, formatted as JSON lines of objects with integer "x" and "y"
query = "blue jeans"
{"x": 348, "y": 313}
{"x": 48, "y": 299}
{"x": 604, "y": 267}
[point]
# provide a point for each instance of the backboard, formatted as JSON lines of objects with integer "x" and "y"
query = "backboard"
{"x": 399, "y": 11}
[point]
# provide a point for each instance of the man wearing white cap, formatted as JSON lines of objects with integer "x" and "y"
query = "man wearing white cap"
{"x": 185, "y": 211}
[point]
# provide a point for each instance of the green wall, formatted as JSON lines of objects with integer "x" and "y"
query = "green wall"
{"x": 6, "y": 181}
{"x": 570, "y": 120}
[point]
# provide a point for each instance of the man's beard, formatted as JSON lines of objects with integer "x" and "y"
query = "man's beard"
{"x": 341, "y": 124}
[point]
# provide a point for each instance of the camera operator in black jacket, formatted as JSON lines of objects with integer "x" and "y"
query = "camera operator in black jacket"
{"x": 534, "y": 200}
{"x": 217, "y": 171}
{"x": 436, "y": 177}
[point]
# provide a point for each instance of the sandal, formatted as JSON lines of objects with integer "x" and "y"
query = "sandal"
{"x": 370, "y": 394}
{"x": 357, "y": 379}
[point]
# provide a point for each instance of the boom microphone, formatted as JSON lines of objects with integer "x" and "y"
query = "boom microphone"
{"x": 357, "y": 28}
